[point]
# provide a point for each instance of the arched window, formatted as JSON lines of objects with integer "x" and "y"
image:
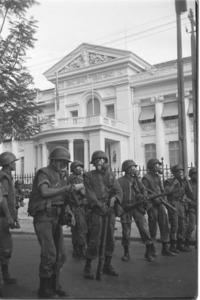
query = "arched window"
{"x": 93, "y": 107}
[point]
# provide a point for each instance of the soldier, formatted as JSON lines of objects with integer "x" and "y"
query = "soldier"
{"x": 157, "y": 213}
{"x": 8, "y": 163}
{"x": 192, "y": 206}
{"x": 98, "y": 191}
{"x": 133, "y": 191}
{"x": 79, "y": 208}
{"x": 177, "y": 188}
{"x": 45, "y": 203}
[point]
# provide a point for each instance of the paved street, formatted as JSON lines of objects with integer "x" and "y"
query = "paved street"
{"x": 166, "y": 278}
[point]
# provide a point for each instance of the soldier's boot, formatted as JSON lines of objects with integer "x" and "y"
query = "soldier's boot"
{"x": 88, "y": 269}
{"x": 45, "y": 289}
{"x": 6, "y": 276}
{"x": 187, "y": 245}
{"x": 108, "y": 268}
{"x": 153, "y": 251}
{"x": 148, "y": 254}
{"x": 180, "y": 246}
{"x": 165, "y": 250}
{"x": 173, "y": 246}
{"x": 126, "y": 255}
{"x": 57, "y": 287}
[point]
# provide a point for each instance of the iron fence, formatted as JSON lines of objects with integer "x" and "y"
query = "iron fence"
{"x": 27, "y": 179}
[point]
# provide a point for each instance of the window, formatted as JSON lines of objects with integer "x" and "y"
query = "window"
{"x": 110, "y": 111}
{"x": 93, "y": 107}
{"x": 150, "y": 151}
{"x": 173, "y": 153}
{"x": 147, "y": 114}
{"x": 74, "y": 113}
{"x": 170, "y": 111}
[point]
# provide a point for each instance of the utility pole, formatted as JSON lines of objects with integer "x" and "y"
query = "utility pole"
{"x": 181, "y": 7}
{"x": 194, "y": 81}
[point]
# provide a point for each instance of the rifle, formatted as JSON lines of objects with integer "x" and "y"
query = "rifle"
{"x": 149, "y": 199}
{"x": 99, "y": 271}
{"x": 168, "y": 205}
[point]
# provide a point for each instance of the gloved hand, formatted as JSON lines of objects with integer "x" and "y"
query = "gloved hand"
{"x": 112, "y": 201}
{"x": 104, "y": 209}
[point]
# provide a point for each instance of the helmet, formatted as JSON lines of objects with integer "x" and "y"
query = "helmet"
{"x": 75, "y": 164}
{"x": 60, "y": 153}
{"x": 176, "y": 168}
{"x": 98, "y": 154}
{"x": 128, "y": 163}
{"x": 193, "y": 170}
{"x": 6, "y": 158}
{"x": 152, "y": 162}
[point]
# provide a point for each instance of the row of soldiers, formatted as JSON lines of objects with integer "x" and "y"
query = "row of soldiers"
{"x": 91, "y": 202}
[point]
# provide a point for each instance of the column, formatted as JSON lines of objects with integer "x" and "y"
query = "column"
{"x": 86, "y": 155}
{"x": 39, "y": 156}
{"x": 71, "y": 148}
{"x": 44, "y": 154}
{"x": 189, "y": 132}
{"x": 160, "y": 129}
{"x": 137, "y": 132}
{"x": 1, "y": 148}
{"x": 36, "y": 156}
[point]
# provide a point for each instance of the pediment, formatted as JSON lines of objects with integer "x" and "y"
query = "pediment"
{"x": 86, "y": 55}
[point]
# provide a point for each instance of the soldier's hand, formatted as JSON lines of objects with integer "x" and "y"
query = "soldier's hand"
{"x": 112, "y": 201}
{"x": 157, "y": 201}
{"x": 104, "y": 209}
{"x": 79, "y": 186}
{"x": 11, "y": 222}
{"x": 73, "y": 221}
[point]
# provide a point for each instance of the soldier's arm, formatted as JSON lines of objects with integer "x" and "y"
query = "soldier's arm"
{"x": 117, "y": 190}
{"x": 90, "y": 194}
{"x": 4, "y": 207}
{"x": 10, "y": 202}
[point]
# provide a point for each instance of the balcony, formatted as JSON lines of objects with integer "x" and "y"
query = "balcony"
{"x": 73, "y": 123}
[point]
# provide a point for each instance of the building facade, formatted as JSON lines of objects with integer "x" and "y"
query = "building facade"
{"x": 111, "y": 100}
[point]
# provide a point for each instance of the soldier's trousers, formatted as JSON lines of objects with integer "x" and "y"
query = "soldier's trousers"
{"x": 6, "y": 243}
{"x": 79, "y": 231}
{"x": 96, "y": 225}
{"x": 157, "y": 216}
{"x": 177, "y": 221}
{"x": 45, "y": 225}
{"x": 192, "y": 222}
{"x": 141, "y": 224}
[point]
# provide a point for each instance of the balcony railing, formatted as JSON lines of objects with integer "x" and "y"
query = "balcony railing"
{"x": 53, "y": 123}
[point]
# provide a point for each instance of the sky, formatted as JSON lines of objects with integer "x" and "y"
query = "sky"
{"x": 145, "y": 27}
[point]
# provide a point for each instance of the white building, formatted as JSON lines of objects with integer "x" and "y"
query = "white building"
{"x": 110, "y": 100}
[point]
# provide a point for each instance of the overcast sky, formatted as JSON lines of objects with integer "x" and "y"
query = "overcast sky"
{"x": 145, "y": 27}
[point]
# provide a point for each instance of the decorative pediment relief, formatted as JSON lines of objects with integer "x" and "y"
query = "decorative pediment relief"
{"x": 85, "y": 59}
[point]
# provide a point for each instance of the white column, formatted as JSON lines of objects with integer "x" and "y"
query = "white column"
{"x": 39, "y": 156}
{"x": 160, "y": 129}
{"x": 137, "y": 132}
{"x": 1, "y": 148}
{"x": 44, "y": 154}
{"x": 86, "y": 155}
{"x": 71, "y": 148}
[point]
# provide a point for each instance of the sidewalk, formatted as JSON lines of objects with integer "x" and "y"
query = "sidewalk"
{"x": 26, "y": 223}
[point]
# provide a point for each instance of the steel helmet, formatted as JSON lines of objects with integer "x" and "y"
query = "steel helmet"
{"x": 128, "y": 163}
{"x": 176, "y": 168}
{"x": 60, "y": 153}
{"x": 6, "y": 158}
{"x": 193, "y": 170}
{"x": 152, "y": 162}
{"x": 75, "y": 164}
{"x": 98, "y": 154}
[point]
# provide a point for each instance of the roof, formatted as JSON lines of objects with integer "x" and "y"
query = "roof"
{"x": 171, "y": 63}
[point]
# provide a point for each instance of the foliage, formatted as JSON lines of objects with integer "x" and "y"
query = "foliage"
{"x": 17, "y": 107}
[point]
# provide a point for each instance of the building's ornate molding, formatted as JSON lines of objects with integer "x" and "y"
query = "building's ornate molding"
{"x": 86, "y": 59}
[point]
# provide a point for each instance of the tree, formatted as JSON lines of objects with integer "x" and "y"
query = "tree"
{"x": 17, "y": 107}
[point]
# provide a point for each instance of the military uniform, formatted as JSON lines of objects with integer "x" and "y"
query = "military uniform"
{"x": 157, "y": 213}
{"x": 79, "y": 208}
{"x": 177, "y": 192}
{"x": 6, "y": 242}
{"x": 45, "y": 212}
{"x": 133, "y": 191}
{"x": 98, "y": 190}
